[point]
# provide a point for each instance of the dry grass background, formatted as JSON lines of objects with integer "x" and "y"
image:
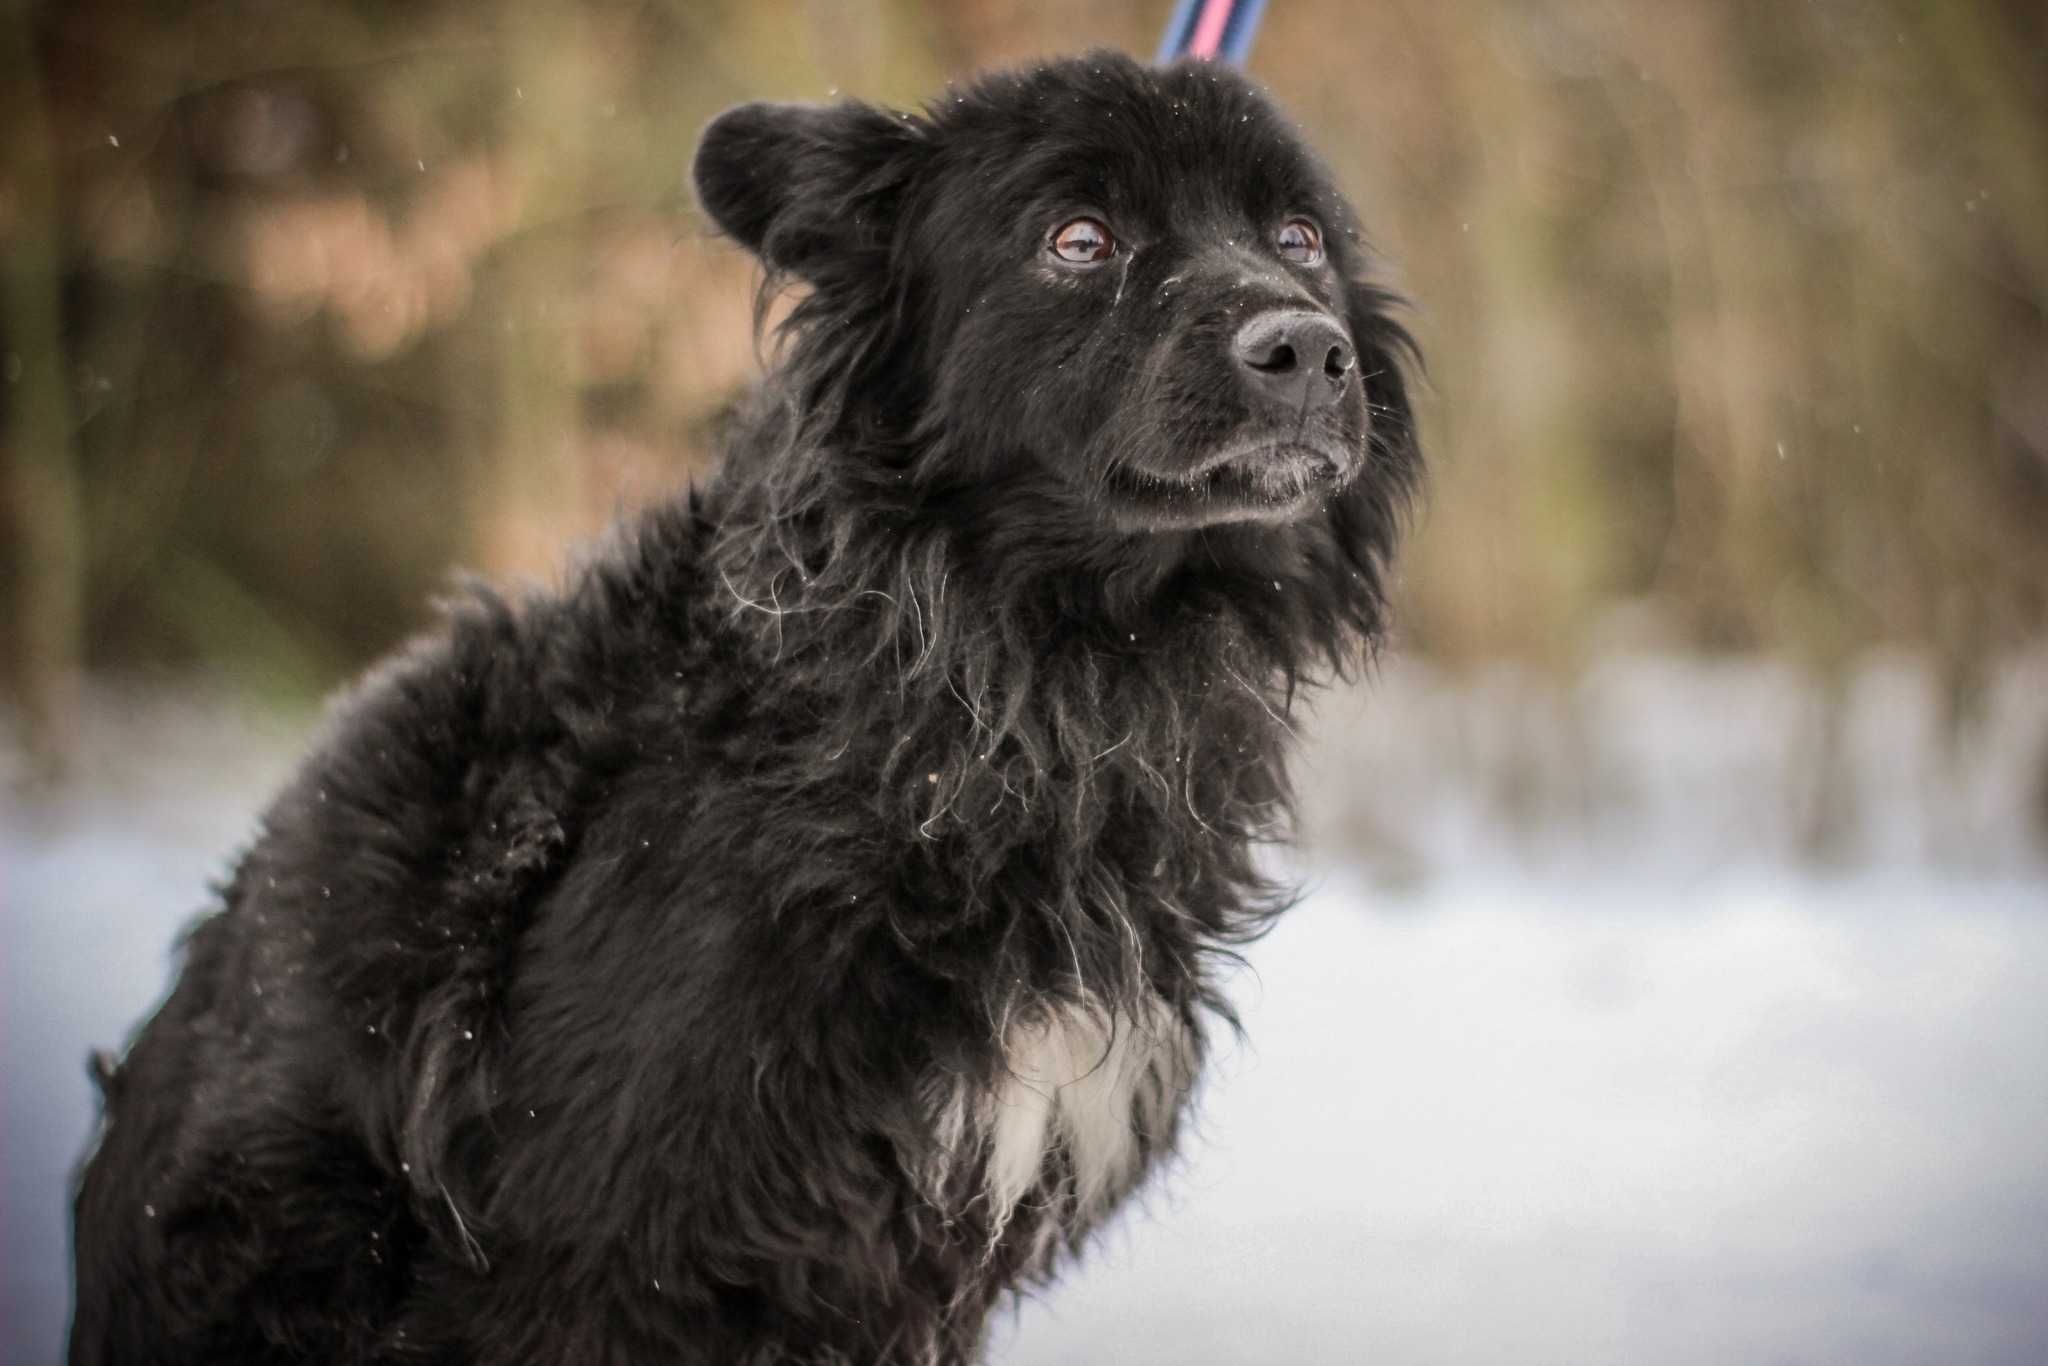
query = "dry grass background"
{"x": 1737, "y": 311}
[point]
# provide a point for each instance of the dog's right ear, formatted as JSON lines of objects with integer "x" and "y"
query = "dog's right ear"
{"x": 797, "y": 184}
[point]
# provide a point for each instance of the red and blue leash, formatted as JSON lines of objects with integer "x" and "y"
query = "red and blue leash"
{"x": 1211, "y": 30}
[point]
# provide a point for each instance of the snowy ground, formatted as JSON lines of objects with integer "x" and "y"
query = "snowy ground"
{"x": 1576, "y": 1111}
{"x": 1756, "y": 1119}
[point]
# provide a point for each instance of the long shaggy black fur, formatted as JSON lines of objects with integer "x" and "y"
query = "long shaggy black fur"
{"x": 622, "y": 976}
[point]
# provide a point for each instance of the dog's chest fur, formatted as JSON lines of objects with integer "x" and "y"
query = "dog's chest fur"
{"x": 1083, "y": 1094}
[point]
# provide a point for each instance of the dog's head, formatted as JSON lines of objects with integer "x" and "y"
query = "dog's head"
{"x": 1131, "y": 291}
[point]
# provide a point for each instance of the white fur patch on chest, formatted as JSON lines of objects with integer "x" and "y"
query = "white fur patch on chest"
{"x": 1096, "y": 1086}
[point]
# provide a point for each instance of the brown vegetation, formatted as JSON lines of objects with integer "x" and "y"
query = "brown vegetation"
{"x": 1737, "y": 312}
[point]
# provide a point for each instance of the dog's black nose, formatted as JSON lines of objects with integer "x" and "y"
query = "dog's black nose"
{"x": 1298, "y": 358}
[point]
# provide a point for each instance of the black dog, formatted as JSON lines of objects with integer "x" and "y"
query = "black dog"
{"x": 803, "y": 927}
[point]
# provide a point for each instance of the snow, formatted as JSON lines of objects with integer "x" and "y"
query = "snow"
{"x": 1616, "y": 1107}
{"x": 1761, "y": 1118}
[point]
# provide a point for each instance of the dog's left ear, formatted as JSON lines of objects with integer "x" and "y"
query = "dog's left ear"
{"x": 803, "y": 185}
{"x": 1367, "y": 521}
{"x": 1387, "y": 361}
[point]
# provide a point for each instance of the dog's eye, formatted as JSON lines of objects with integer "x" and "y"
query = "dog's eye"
{"x": 1083, "y": 242}
{"x": 1300, "y": 242}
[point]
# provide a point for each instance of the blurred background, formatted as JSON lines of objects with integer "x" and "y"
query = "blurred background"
{"x": 1674, "y": 982}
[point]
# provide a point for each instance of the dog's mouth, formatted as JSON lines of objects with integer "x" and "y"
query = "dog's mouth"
{"x": 1262, "y": 481}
